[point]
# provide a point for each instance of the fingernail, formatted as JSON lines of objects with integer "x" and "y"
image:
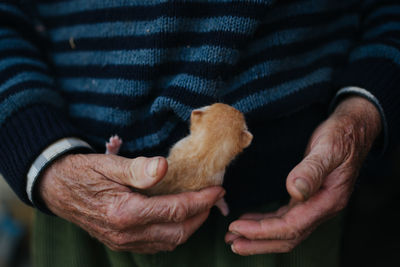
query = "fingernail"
{"x": 152, "y": 167}
{"x": 303, "y": 187}
{"x": 232, "y": 238}
{"x": 233, "y": 248}
{"x": 234, "y": 232}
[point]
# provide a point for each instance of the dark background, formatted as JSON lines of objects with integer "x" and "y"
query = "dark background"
{"x": 372, "y": 230}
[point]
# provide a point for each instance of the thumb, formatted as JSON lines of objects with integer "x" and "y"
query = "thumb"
{"x": 307, "y": 177}
{"x": 140, "y": 172}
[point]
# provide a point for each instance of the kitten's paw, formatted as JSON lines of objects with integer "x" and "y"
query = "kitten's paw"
{"x": 113, "y": 145}
{"x": 222, "y": 206}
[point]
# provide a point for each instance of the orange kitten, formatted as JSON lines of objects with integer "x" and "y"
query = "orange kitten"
{"x": 217, "y": 134}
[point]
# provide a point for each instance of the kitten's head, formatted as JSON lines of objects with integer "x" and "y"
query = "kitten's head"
{"x": 223, "y": 124}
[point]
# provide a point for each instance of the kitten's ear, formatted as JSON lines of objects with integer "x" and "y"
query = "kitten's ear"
{"x": 196, "y": 114}
{"x": 246, "y": 138}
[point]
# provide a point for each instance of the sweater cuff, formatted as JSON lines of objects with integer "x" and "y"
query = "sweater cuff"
{"x": 24, "y": 136}
{"x": 381, "y": 78}
{"x": 49, "y": 155}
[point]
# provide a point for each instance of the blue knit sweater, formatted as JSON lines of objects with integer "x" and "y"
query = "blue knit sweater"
{"x": 93, "y": 68}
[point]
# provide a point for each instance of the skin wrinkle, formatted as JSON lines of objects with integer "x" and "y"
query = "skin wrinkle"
{"x": 74, "y": 188}
{"x": 116, "y": 218}
{"x": 149, "y": 234}
{"x": 336, "y": 150}
{"x": 350, "y": 144}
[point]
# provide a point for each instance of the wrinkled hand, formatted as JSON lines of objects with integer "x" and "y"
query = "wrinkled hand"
{"x": 319, "y": 186}
{"x": 93, "y": 191}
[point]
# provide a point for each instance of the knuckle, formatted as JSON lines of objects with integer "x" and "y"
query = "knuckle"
{"x": 118, "y": 222}
{"x": 317, "y": 168}
{"x": 119, "y": 239}
{"x": 178, "y": 213}
{"x": 180, "y": 237}
{"x": 344, "y": 141}
{"x": 338, "y": 147}
{"x": 114, "y": 239}
{"x": 133, "y": 168}
{"x": 117, "y": 217}
{"x": 292, "y": 230}
{"x": 293, "y": 234}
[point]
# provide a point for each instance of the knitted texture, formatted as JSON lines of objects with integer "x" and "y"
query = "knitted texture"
{"x": 138, "y": 68}
{"x": 26, "y": 135}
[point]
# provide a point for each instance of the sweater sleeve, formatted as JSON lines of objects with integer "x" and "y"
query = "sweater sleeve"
{"x": 31, "y": 110}
{"x": 374, "y": 63}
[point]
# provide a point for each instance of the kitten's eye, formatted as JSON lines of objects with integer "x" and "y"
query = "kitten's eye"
{"x": 197, "y": 112}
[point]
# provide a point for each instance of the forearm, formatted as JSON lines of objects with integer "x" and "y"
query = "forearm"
{"x": 374, "y": 63}
{"x": 32, "y": 112}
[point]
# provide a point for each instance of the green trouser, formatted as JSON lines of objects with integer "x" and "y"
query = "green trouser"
{"x": 62, "y": 244}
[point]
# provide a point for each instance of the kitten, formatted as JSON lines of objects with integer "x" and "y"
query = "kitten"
{"x": 217, "y": 134}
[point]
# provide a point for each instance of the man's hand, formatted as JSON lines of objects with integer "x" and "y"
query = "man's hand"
{"x": 93, "y": 191}
{"x": 319, "y": 186}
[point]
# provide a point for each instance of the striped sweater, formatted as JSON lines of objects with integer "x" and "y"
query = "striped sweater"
{"x": 93, "y": 68}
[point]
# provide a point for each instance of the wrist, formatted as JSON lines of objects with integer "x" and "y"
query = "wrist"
{"x": 362, "y": 115}
{"x": 46, "y": 181}
{"x": 48, "y": 186}
{"x": 47, "y": 159}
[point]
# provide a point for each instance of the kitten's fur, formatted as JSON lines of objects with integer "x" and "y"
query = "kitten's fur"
{"x": 217, "y": 134}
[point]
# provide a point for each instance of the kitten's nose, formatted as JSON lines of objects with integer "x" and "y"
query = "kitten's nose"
{"x": 247, "y": 137}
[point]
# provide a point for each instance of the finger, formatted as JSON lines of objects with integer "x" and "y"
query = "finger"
{"x": 172, "y": 208}
{"x": 139, "y": 172}
{"x": 259, "y": 216}
{"x": 222, "y": 206}
{"x": 253, "y": 216}
{"x": 296, "y": 223}
{"x": 247, "y": 247}
{"x": 134, "y": 241}
{"x": 169, "y": 235}
{"x": 230, "y": 237}
{"x": 176, "y": 233}
{"x": 307, "y": 177}
{"x": 270, "y": 228}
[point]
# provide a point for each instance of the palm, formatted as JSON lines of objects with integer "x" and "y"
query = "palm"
{"x": 320, "y": 185}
